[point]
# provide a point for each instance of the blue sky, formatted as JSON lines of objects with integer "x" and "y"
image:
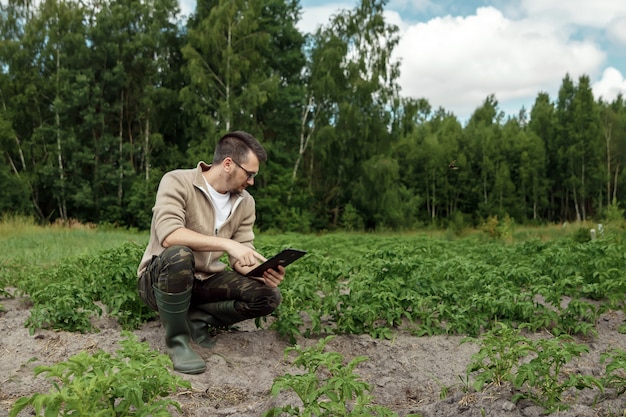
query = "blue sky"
{"x": 456, "y": 53}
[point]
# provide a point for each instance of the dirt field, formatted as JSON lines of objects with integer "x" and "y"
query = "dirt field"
{"x": 407, "y": 374}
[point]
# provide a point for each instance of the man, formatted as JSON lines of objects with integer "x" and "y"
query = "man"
{"x": 199, "y": 215}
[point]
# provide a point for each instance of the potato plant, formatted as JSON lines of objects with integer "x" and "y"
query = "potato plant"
{"x": 64, "y": 296}
{"x": 543, "y": 375}
{"x": 135, "y": 381}
{"x": 375, "y": 284}
{"x": 533, "y": 368}
{"x": 328, "y": 387}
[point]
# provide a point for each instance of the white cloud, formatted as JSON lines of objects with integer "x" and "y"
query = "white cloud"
{"x": 610, "y": 85}
{"x": 456, "y": 62}
{"x": 617, "y": 30}
{"x": 394, "y": 18}
{"x": 187, "y": 7}
{"x": 312, "y": 17}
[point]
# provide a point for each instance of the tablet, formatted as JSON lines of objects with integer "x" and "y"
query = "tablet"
{"x": 284, "y": 258}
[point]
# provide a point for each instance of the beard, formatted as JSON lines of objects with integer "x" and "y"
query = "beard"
{"x": 234, "y": 186}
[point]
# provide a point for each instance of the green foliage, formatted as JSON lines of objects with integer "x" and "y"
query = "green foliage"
{"x": 581, "y": 235}
{"x": 132, "y": 382}
{"x": 61, "y": 305}
{"x": 434, "y": 286}
{"x": 499, "y": 229}
{"x": 281, "y": 204}
{"x": 4, "y": 282}
{"x": 15, "y": 188}
{"x": 350, "y": 220}
{"x": 501, "y": 349}
{"x": 425, "y": 285}
{"x": 142, "y": 195}
{"x": 579, "y": 317}
{"x": 457, "y": 223}
{"x": 503, "y": 358}
{"x": 613, "y": 214}
{"x": 116, "y": 284}
{"x": 329, "y": 387}
{"x": 615, "y": 375}
{"x": 543, "y": 374}
{"x": 64, "y": 296}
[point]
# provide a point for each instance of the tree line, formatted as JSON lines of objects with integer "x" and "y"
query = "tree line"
{"x": 99, "y": 98}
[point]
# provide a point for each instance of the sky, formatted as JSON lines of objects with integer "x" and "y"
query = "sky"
{"x": 455, "y": 53}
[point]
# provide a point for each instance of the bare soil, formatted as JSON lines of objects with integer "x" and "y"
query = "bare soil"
{"x": 408, "y": 374}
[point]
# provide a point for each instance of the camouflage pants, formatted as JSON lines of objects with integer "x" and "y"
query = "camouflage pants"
{"x": 173, "y": 272}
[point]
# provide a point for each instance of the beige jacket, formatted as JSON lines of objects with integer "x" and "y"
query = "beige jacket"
{"x": 182, "y": 200}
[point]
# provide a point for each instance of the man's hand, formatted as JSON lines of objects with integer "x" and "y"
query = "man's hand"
{"x": 245, "y": 256}
{"x": 273, "y": 277}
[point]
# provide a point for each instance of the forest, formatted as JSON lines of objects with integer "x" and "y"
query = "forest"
{"x": 98, "y": 99}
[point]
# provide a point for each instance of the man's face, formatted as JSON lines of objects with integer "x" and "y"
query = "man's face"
{"x": 242, "y": 173}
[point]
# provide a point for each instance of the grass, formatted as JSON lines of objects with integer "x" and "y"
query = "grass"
{"x": 25, "y": 243}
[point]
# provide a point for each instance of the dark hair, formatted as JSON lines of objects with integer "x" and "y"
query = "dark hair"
{"x": 237, "y": 145}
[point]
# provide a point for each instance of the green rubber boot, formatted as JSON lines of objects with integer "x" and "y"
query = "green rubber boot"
{"x": 173, "y": 312}
{"x": 201, "y": 323}
{"x": 204, "y": 318}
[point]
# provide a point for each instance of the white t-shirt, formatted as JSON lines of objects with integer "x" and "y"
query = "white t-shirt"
{"x": 222, "y": 204}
